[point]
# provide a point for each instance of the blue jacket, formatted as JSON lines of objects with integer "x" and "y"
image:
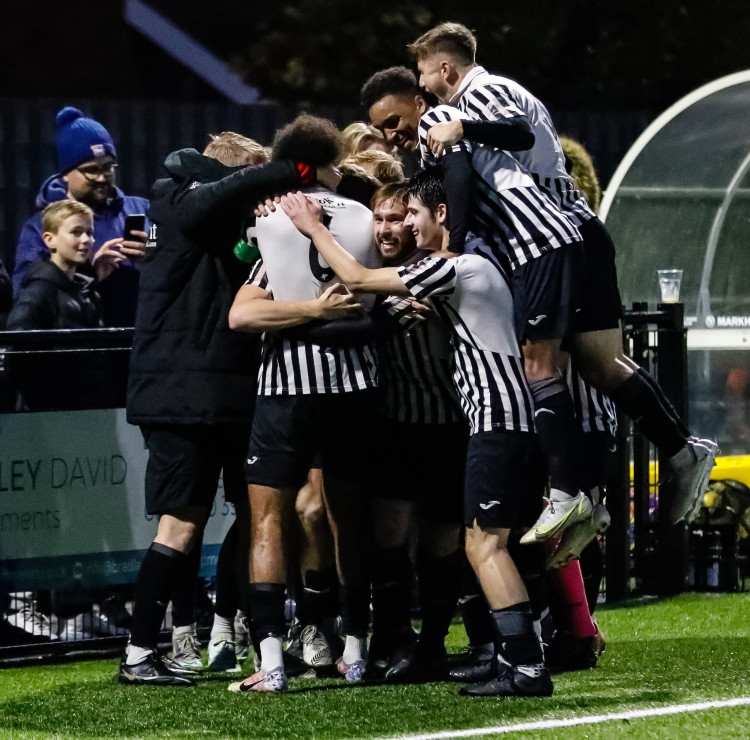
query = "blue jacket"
{"x": 120, "y": 290}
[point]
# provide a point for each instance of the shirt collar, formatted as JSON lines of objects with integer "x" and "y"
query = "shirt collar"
{"x": 475, "y": 72}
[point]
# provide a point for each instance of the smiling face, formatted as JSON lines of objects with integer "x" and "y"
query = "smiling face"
{"x": 71, "y": 244}
{"x": 397, "y": 118}
{"x": 395, "y": 242}
{"x": 434, "y": 73}
{"x": 92, "y": 181}
{"x": 428, "y": 228}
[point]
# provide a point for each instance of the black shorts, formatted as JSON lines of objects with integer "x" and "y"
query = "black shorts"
{"x": 544, "y": 293}
{"x": 598, "y": 295}
{"x": 186, "y": 462}
{"x": 290, "y": 431}
{"x": 423, "y": 463}
{"x": 505, "y": 480}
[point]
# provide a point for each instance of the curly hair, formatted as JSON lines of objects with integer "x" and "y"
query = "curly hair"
{"x": 309, "y": 139}
{"x": 580, "y": 167}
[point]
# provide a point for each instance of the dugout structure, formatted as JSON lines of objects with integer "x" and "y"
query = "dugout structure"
{"x": 681, "y": 199}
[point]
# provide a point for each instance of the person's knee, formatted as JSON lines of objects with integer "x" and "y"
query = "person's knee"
{"x": 311, "y": 511}
{"x": 180, "y": 532}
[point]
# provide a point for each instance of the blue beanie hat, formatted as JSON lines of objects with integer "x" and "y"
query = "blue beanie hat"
{"x": 78, "y": 138}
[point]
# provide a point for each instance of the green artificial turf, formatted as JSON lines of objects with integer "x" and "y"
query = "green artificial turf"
{"x": 659, "y": 653}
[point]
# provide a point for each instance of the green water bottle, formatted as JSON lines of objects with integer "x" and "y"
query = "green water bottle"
{"x": 247, "y": 251}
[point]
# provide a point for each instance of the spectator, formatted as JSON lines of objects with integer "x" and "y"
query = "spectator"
{"x": 54, "y": 295}
{"x": 87, "y": 163}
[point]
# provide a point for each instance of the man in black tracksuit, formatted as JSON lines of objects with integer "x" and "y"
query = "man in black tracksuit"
{"x": 192, "y": 380}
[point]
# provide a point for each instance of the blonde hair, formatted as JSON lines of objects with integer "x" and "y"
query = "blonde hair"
{"x": 580, "y": 167}
{"x": 55, "y": 213}
{"x": 385, "y": 168}
{"x": 448, "y": 38}
{"x": 234, "y": 149}
{"x": 358, "y": 136}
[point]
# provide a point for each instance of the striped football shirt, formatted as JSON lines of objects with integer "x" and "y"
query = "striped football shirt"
{"x": 483, "y": 96}
{"x": 291, "y": 367}
{"x": 416, "y": 367}
{"x": 511, "y": 213}
{"x": 473, "y": 297}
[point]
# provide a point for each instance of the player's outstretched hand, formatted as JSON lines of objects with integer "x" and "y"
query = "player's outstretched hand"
{"x": 337, "y": 302}
{"x": 443, "y": 135}
{"x": 107, "y": 258}
{"x": 304, "y": 212}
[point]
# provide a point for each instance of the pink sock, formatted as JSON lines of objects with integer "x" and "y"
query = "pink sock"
{"x": 568, "y": 582}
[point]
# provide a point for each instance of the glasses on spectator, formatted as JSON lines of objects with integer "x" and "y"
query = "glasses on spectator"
{"x": 92, "y": 173}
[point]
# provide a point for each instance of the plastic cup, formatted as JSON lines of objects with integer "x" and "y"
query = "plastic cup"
{"x": 669, "y": 285}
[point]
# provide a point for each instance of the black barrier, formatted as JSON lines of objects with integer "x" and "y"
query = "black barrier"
{"x": 62, "y": 370}
{"x": 644, "y": 553}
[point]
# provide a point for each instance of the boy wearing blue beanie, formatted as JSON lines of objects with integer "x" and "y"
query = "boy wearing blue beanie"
{"x": 87, "y": 165}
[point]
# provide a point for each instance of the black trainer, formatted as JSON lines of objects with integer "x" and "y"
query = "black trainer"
{"x": 151, "y": 671}
{"x": 513, "y": 682}
{"x": 418, "y": 663}
{"x": 478, "y": 670}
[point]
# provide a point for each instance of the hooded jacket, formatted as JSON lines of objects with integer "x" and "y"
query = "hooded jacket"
{"x": 119, "y": 291}
{"x": 49, "y": 299}
{"x": 187, "y": 366}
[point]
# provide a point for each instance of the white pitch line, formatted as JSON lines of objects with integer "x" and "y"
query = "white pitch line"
{"x": 573, "y": 721}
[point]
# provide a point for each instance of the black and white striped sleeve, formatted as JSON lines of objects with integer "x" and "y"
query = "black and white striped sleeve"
{"x": 439, "y": 115}
{"x": 491, "y": 102}
{"x": 259, "y": 277}
{"x": 430, "y": 278}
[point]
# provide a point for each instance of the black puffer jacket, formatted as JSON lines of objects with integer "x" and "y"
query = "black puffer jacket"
{"x": 187, "y": 366}
{"x": 49, "y": 299}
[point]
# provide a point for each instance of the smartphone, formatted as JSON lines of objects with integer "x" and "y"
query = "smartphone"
{"x": 136, "y": 222}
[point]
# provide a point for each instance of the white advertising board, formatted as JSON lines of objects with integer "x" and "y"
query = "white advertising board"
{"x": 72, "y": 504}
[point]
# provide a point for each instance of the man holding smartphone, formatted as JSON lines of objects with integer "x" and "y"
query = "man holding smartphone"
{"x": 87, "y": 166}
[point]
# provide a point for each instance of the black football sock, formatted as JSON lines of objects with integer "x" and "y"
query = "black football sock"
{"x": 320, "y": 597}
{"x": 554, "y": 417}
{"x": 227, "y": 598}
{"x": 159, "y": 573}
{"x": 391, "y": 591}
{"x": 184, "y": 595}
{"x": 664, "y": 401}
{"x": 515, "y": 638}
{"x": 439, "y": 585}
{"x": 355, "y": 610}
{"x": 266, "y": 601}
{"x": 638, "y": 400}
